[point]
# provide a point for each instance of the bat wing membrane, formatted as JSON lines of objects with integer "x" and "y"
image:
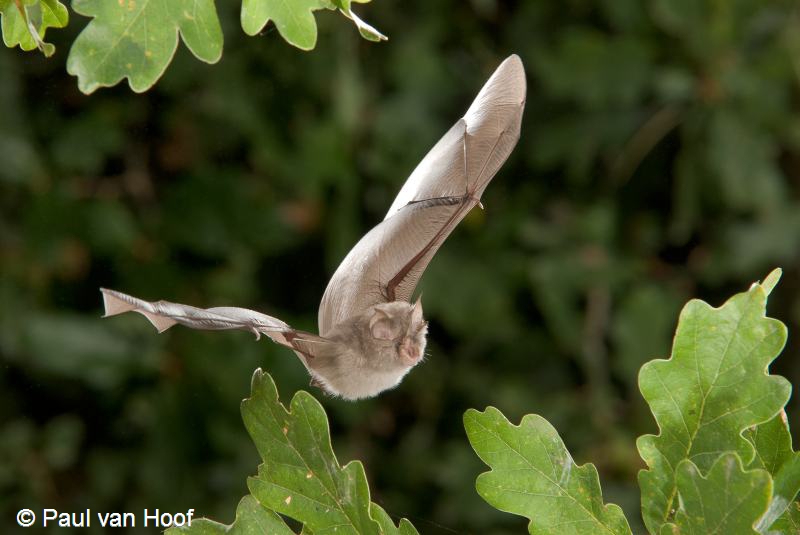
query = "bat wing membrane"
{"x": 387, "y": 263}
{"x": 164, "y": 314}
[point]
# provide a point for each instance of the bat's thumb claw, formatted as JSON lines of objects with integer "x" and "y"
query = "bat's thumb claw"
{"x": 257, "y": 333}
{"x": 476, "y": 200}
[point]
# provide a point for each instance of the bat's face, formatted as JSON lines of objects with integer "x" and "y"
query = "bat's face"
{"x": 400, "y": 327}
{"x": 375, "y": 350}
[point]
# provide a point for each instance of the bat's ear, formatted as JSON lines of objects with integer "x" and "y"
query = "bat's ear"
{"x": 416, "y": 311}
{"x": 383, "y": 326}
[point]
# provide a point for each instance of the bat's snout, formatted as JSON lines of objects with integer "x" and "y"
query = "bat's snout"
{"x": 410, "y": 352}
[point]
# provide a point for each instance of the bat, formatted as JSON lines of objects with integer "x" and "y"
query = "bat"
{"x": 370, "y": 333}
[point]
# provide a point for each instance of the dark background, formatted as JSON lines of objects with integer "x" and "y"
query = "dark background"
{"x": 659, "y": 161}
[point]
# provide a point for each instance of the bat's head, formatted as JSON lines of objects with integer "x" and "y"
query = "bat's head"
{"x": 401, "y": 325}
{"x": 377, "y": 349}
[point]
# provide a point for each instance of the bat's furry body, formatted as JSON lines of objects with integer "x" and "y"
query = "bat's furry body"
{"x": 370, "y": 333}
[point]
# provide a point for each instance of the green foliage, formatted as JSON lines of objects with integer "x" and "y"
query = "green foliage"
{"x": 367, "y": 31}
{"x": 774, "y": 453}
{"x": 300, "y": 476}
{"x": 251, "y": 519}
{"x": 136, "y": 40}
{"x": 713, "y": 389}
{"x": 729, "y": 500}
{"x": 534, "y": 475}
{"x": 25, "y": 22}
{"x": 295, "y": 21}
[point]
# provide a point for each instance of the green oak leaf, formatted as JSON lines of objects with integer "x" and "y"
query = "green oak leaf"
{"x": 774, "y": 453}
{"x": 294, "y": 19}
{"x": 25, "y": 23}
{"x": 367, "y": 31}
{"x": 386, "y": 523}
{"x": 712, "y": 388}
{"x": 136, "y": 39}
{"x": 251, "y": 519}
{"x": 730, "y": 500}
{"x": 533, "y": 475}
{"x": 300, "y": 476}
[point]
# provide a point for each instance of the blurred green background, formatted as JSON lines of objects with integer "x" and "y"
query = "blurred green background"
{"x": 659, "y": 161}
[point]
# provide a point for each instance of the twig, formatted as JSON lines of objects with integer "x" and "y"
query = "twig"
{"x": 643, "y": 141}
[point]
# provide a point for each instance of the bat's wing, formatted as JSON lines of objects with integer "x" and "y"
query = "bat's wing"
{"x": 386, "y": 264}
{"x": 163, "y": 315}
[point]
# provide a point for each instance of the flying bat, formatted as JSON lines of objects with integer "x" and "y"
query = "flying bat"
{"x": 370, "y": 333}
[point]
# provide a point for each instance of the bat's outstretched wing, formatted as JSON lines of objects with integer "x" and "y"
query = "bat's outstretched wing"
{"x": 163, "y": 315}
{"x": 386, "y": 264}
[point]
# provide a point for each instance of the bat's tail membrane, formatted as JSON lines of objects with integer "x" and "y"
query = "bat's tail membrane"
{"x": 118, "y": 303}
